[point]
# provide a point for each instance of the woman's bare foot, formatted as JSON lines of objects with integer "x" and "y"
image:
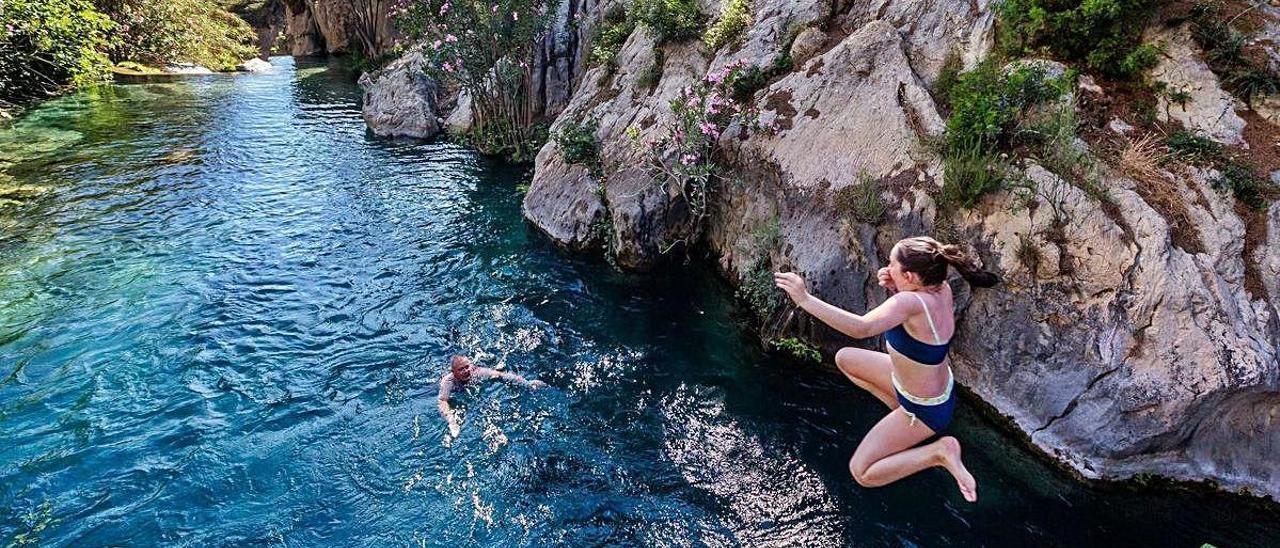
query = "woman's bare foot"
{"x": 951, "y": 461}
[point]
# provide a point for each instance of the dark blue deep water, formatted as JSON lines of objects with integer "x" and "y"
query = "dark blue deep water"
{"x": 224, "y": 308}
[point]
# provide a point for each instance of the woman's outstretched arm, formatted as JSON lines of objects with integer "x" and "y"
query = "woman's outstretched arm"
{"x": 880, "y": 319}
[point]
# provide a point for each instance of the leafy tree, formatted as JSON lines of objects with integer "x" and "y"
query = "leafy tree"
{"x": 158, "y": 32}
{"x": 47, "y": 44}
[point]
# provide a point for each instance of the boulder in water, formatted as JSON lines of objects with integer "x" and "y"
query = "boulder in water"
{"x": 255, "y": 65}
{"x": 400, "y": 99}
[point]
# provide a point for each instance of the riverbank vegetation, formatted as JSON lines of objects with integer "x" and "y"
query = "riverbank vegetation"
{"x": 486, "y": 51}
{"x": 48, "y": 46}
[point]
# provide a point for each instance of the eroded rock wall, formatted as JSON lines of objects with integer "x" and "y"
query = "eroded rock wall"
{"x": 1121, "y": 348}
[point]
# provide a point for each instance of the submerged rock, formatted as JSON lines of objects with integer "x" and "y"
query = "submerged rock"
{"x": 400, "y": 99}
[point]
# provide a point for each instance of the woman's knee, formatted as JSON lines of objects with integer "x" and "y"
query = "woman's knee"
{"x": 846, "y": 358}
{"x": 858, "y": 470}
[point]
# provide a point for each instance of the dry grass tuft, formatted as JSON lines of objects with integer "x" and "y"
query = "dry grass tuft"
{"x": 1143, "y": 159}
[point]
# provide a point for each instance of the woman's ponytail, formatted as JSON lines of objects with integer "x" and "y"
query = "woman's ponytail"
{"x": 968, "y": 265}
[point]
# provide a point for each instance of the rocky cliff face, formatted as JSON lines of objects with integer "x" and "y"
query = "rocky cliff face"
{"x": 1138, "y": 336}
{"x": 313, "y": 27}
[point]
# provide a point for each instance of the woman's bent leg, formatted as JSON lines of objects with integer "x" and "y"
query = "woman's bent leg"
{"x": 870, "y": 370}
{"x": 887, "y": 455}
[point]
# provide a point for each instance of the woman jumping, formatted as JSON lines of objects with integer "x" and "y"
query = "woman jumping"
{"x": 913, "y": 378}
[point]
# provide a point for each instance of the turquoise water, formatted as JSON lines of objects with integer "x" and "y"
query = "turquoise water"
{"x": 224, "y": 308}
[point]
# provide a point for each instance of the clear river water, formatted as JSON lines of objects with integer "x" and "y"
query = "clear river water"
{"x": 224, "y": 307}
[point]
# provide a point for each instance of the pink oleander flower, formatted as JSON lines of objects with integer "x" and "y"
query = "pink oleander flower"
{"x": 444, "y": 8}
{"x": 447, "y": 67}
{"x": 493, "y": 9}
{"x": 436, "y": 44}
{"x": 689, "y": 159}
{"x": 450, "y": 38}
{"x": 515, "y": 16}
{"x": 709, "y": 129}
{"x": 692, "y": 102}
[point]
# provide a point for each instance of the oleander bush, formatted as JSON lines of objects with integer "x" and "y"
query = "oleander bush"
{"x": 486, "y": 49}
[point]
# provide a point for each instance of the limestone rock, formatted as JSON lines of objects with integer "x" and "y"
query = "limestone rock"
{"x": 1116, "y": 349}
{"x": 186, "y": 69}
{"x": 1136, "y": 357}
{"x": 400, "y": 99}
{"x": 255, "y": 65}
{"x": 313, "y": 27}
{"x": 808, "y": 43}
{"x": 1211, "y": 111}
{"x": 460, "y": 118}
{"x": 1119, "y": 126}
{"x": 820, "y": 138}
{"x": 933, "y": 30}
{"x": 300, "y": 29}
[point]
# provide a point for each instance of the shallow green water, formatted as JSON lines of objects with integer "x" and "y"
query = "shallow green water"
{"x": 223, "y": 309}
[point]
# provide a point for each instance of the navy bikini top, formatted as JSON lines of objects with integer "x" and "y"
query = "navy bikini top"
{"x": 920, "y": 352}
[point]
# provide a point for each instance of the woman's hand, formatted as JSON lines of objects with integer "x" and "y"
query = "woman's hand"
{"x": 793, "y": 284}
{"x": 886, "y": 281}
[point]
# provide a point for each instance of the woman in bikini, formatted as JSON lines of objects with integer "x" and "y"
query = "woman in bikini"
{"x": 913, "y": 377}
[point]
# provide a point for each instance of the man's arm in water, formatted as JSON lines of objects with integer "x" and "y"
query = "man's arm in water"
{"x": 485, "y": 372}
{"x": 442, "y": 400}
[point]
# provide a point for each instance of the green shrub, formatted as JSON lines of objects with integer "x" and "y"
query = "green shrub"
{"x": 759, "y": 292}
{"x": 1243, "y": 182}
{"x": 757, "y": 288}
{"x": 1224, "y": 50}
{"x": 1193, "y": 149}
{"x": 947, "y": 78}
{"x": 768, "y": 237}
{"x": 861, "y": 200}
{"x": 969, "y": 173}
{"x": 158, "y": 32}
{"x": 1104, "y": 34}
{"x": 652, "y": 74}
{"x": 579, "y": 145}
{"x": 746, "y": 82}
{"x": 670, "y": 20}
{"x": 610, "y": 36}
{"x": 991, "y": 111}
{"x": 734, "y": 21}
{"x": 985, "y": 102}
{"x": 798, "y": 349}
{"x": 48, "y": 44}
